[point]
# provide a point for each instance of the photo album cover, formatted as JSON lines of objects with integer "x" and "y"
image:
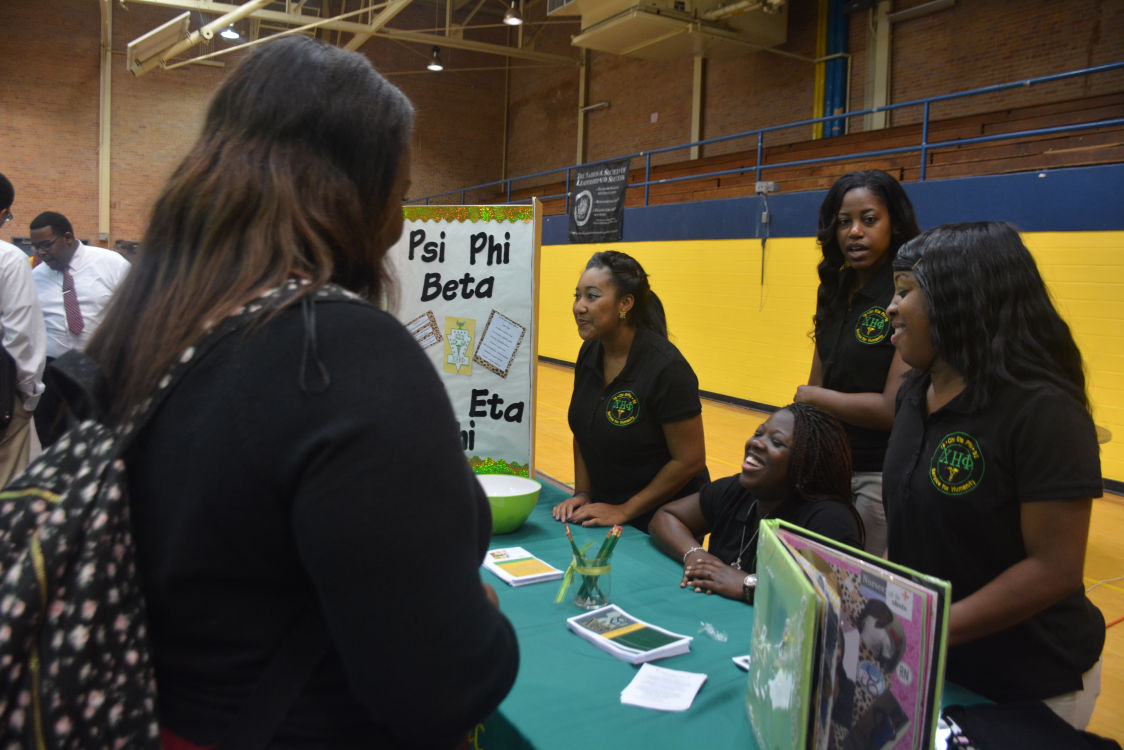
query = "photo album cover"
{"x": 860, "y": 641}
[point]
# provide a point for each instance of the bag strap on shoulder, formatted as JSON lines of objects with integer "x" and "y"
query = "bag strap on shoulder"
{"x": 81, "y": 383}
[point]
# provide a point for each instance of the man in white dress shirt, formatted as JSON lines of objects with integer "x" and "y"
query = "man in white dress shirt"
{"x": 74, "y": 282}
{"x": 24, "y": 343}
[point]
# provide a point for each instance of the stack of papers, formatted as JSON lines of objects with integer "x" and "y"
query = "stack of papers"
{"x": 518, "y": 567}
{"x": 662, "y": 689}
{"x": 627, "y": 638}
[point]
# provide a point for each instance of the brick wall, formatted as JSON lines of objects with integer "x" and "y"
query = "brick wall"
{"x": 975, "y": 44}
{"x": 972, "y": 44}
{"x": 465, "y": 120}
{"x": 49, "y": 97}
{"x": 49, "y": 84}
{"x": 459, "y": 116}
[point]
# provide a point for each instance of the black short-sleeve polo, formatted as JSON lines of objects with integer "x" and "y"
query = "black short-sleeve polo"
{"x": 855, "y": 352}
{"x": 619, "y": 427}
{"x": 953, "y": 486}
{"x": 732, "y": 536}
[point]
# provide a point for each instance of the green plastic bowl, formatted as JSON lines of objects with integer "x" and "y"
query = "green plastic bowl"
{"x": 512, "y": 499}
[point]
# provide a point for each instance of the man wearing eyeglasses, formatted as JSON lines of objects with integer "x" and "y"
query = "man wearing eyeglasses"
{"x": 24, "y": 348}
{"x": 74, "y": 282}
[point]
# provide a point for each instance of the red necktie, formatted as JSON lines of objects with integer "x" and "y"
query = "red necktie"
{"x": 70, "y": 302}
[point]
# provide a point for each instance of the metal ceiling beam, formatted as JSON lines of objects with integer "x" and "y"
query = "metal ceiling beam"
{"x": 468, "y": 44}
{"x": 351, "y": 27}
{"x": 382, "y": 19}
{"x": 235, "y": 14}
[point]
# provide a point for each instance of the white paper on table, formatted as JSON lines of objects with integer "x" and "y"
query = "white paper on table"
{"x": 662, "y": 689}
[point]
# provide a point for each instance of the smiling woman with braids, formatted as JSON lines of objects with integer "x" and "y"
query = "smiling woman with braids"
{"x": 797, "y": 468}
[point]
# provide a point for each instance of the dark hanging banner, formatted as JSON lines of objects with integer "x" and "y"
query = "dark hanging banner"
{"x": 597, "y": 202}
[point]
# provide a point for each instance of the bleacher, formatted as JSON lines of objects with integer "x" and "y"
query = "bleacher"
{"x": 1020, "y": 153}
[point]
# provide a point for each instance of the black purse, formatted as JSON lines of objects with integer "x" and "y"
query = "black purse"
{"x": 7, "y": 388}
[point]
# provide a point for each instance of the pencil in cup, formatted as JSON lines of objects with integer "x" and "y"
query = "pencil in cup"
{"x": 590, "y": 588}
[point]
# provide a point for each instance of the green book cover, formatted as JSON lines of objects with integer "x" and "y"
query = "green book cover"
{"x": 783, "y": 650}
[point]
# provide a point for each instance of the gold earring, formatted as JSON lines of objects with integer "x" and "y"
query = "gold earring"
{"x": 622, "y": 315}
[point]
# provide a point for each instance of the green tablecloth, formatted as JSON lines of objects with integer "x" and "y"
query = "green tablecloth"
{"x": 567, "y": 693}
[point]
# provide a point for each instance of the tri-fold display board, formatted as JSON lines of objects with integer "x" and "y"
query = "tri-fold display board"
{"x": 467, "y": 279}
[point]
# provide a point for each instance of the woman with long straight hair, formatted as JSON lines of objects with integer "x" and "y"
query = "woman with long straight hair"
{"x": 993, "y": 464}
{"x": 308, "y": 464}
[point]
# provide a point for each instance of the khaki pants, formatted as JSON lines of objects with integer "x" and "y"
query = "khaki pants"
{"x": 15, "y": 442}
{"x": 866, "y": 487}
{"x": 1077, "y": 707}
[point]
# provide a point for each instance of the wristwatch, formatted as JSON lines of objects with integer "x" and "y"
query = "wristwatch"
{"x": 749, "y": 586}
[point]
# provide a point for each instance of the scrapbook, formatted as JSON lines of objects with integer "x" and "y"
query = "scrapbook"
{"x": 848, "y": 649}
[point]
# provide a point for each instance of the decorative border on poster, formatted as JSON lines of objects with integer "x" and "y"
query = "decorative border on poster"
{"x": 484, "y": 340}
{"x": 469, "y": 213}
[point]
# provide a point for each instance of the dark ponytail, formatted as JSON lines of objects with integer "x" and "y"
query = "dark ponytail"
{"x": 629, "y": 278}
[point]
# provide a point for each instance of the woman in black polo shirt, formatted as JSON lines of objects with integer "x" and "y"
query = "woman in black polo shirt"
{"x": 864, "y": 219}
{"x": 797, "y": 467}
{"x": 635, "y": 411}
{"x": 992, "y": 466}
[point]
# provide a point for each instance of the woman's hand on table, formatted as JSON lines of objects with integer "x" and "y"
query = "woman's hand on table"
{"x": 564, "y": 511}
{"x": 600, "y": 514}
{"x": 705, "y": 573}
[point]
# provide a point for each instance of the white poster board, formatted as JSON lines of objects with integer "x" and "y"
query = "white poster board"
{"x": 467, "y": 277}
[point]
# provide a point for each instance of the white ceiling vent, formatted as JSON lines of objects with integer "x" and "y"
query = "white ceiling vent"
{"x": 671, "y": 29}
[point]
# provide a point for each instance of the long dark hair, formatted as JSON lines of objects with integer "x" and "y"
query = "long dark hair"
{"x": 291, "y": 176}
{"x": 990, "y": 314}
{"x": 835, "y": 275}
{"x": 819, "y": 466}
{"x": 629, "y": 278}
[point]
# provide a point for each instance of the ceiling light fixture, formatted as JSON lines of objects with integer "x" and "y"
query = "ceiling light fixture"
{"x": 229, "y": 33}
{"x": 435, "y": 63}
{"x": 512, "y": 16}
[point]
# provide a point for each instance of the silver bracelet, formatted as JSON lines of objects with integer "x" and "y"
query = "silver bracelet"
{"x": 689, "y": 551}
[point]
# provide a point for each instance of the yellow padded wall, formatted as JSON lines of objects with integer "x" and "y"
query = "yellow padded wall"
{"x": 742, "y": 340}
{"x": 751, "y": 342}
{"x": 1085, "y": 274}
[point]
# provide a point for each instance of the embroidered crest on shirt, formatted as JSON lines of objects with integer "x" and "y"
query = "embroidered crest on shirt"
{"x": 873, "y": 326}
{"x": 623, "y": 408}
{"x": 957, "y": 465}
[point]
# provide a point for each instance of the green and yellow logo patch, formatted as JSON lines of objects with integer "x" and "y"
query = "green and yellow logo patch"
{"x": 623, "y": 408}
{"x": 957, "y": 465}
{"x": 873, "y": 326}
